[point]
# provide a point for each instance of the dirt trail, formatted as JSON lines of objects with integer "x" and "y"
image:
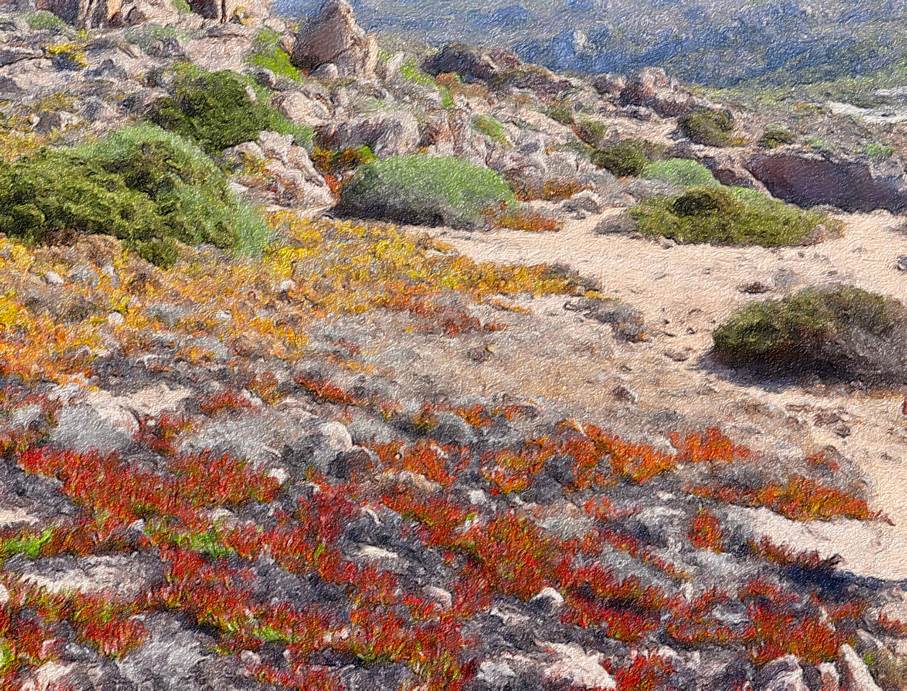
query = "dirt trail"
{"x": 684, "y": 292}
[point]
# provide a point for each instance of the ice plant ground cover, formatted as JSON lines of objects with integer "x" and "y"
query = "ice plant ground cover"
{"x": 415, "y": 557}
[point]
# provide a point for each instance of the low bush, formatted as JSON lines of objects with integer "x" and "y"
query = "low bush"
{"x": 491, "y": 128}
{"x": 878, "y": 152}
{"x": 839, "y": 330}
{"x": 625, "y": 158}
{"x": 220, "y": 109}
{"x": 729, "y": 216}
{"x": 681, "y": 172}
{"x": 773, "y": 137}
{"x": 424, "y": 190}
{"x": 709, "y": 127}
{"x": 590, "y": 130}
{"x": 141, "y": 184}
{"x": 268, "y": 54}
{"x": 42, "y": 20}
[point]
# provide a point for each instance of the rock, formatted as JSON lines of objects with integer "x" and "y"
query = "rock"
{"x": 725, "y": 164}
{"x": 829, "y": 677}
{"x": 782, "y": 674}
{"x": 586, "y": 201}
{"x": 808, "y": 178}
{"x": 901, "y": 263}
{"x": 243, "y": 11}
{"x": 326, "y": 72}
{"x": 333, "y": 36}
{"x": 547, "y": 600}
{"x": 53, "y": 278}
{"x": 576, "y": 668}
{"x": 652, "y": 88}
{"x": 386, "y": 134}
{"x": 471, "y": 64}
{"x": 619, "y": 224}
{"x": 95, "y": 421}
{"x": 125, "y": 575}
{"x": 318, "y": 448}
{"x": 301, "y": 108}
{"x": 12, "y": 55}
{"x": 609, "y": 84}
{"x": 854, "y": 674}
{"x": 754, "y": 288}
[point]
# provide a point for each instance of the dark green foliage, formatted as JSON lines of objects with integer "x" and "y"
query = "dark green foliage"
{"x": 728, "y": 216}
{"x": 709, "y": 127}
{"x": 141, "y": 184}
{"x": 773, "y": 137}
{"x": 626, "y": 158}
{"x": 840, "y": 330}
{"x": 219, "y": 110}
{"x": 425, "y": 190}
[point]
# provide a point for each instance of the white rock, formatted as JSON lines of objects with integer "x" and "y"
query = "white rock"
{"x": 855, "y": 675}
{"x": 53, "y": 278}
{"x": 577, "y": 668}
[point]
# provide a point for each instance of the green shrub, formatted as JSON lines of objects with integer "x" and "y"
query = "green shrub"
{"x": 840, "y": 330}
{"x": 681, "y": 172}
{"x": 42, "y": 20}
{"x": 708, "y": 127}
{"x": 270, "y": 55}
{"x": 728, "y": 216}
{"x": 181, "y": 6}
{"x": 424, "y": 190}
{"x": 590, "y": 130}
{"x": 879, "y": 152}
{"x": 491, "y": 128}
{"x": 220, "y": 109}
{"x": 141, "y": 184}
{"x": 773, "y": 137}
{"x": 562, "y": 113}
{"x": 626, "y": 158}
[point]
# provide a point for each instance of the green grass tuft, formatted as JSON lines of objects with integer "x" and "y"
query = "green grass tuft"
{"x": 491, "y": 128}
{"x": 42, "y": 20}
{"x": 625, "y": 158}
{"x": 709, "y": 127}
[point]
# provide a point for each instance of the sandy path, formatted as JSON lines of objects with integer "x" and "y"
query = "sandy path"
{"x": 684, "y": 292}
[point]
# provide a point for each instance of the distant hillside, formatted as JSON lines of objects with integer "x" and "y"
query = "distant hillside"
{"x": 713, "y": 42}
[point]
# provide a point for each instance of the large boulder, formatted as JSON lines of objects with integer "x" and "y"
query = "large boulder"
{"x": 244, "y": 11}
{"x": 333, "y": 37}
{"x": 808, "y": 178}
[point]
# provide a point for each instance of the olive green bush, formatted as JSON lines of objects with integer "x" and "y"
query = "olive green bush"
{"x": 729, "y": 216}
{"x": 836, "y": 330}
{"x": 709, "y": 127}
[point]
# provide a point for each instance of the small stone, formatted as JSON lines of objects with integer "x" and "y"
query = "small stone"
{"x": 4, "y": 595}
{"x": 279, "y": 474}
{"x": 115, "y": 319}
{"x": 677, "y": 355}
{"x": 666, "y": 243}
{"x": 53, "y": 278}
{"x": 439, "y": 595}
{"x": 624, "y": 393}
{"x": 829, "y": 677}
{"x": 901, "y": 264}
{"x": 477, "y": 497}
{"x": 754, "y": 288}
{"x": 547, "y": 600}
{"x": 286, "y": 286}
